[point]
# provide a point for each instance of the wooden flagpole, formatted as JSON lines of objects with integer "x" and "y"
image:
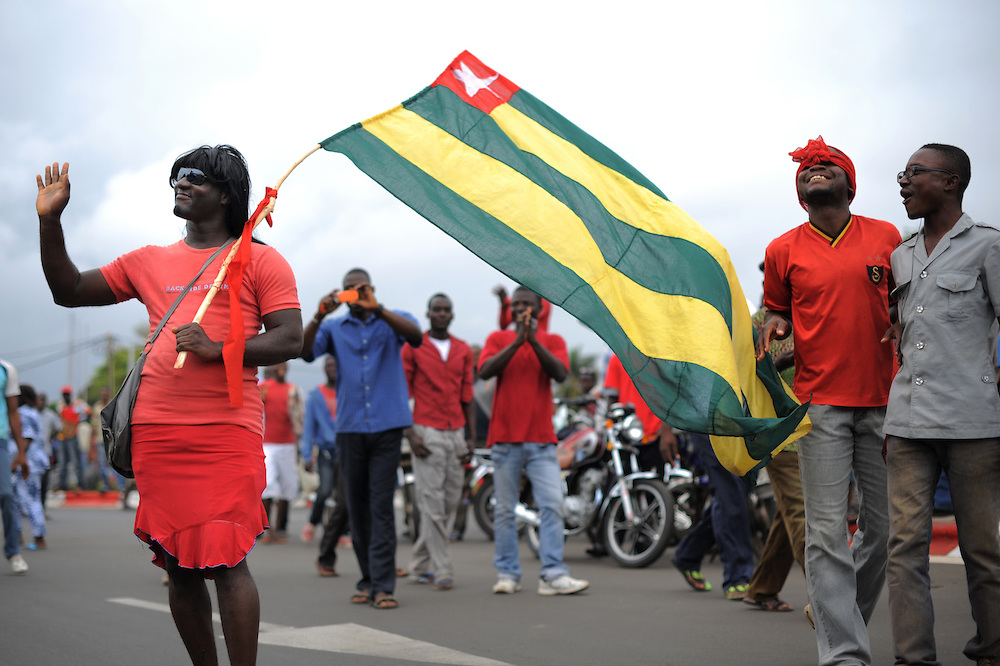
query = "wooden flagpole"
{"x": 182, "y": 356}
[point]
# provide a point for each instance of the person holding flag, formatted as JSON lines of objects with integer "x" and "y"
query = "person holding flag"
{"x": 197, "y": 448}
{"x": 831, "y": 277}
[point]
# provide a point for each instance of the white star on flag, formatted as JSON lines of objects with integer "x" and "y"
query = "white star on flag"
{"x": 473, "y": 84}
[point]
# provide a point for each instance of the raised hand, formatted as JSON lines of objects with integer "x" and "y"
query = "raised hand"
{"x": 366, "y": 296}
{"x": 53, "y": 191}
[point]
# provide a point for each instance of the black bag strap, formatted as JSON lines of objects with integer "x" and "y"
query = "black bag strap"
{"x": 180, "y": 298}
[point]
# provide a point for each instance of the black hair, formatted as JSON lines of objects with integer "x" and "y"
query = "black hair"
{"x": 28, "y": 396}
{"x": 957, "y": 161}
{"x": 368, "y": 278}
{"x": 227, "y": 168}
{"x": 437, "y": 295}
{"x": 521, "y": 287}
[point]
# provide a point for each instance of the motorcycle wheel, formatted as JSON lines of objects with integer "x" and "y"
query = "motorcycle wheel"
{"x": 640, "y": 544}
{"x": 482, "y": 507}
{"x": 689, "y": 504}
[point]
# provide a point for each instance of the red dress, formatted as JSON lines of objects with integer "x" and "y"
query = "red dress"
{"x": 198, "y": 462}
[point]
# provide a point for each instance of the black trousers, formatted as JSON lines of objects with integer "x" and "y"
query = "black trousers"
{"x": 369, "y": 463}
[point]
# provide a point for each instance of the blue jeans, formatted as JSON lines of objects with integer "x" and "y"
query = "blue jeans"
{"x": 324, "y": 467}
{"x": 69, "y": 449}
{"x": 844, "y": 581}
{"x": 539, "y": 462}
{"x": 725, "y": 522}
{"x": 8, "y": 505}
{"x": 369, "y": 462}
{"x": 973, "y": 470}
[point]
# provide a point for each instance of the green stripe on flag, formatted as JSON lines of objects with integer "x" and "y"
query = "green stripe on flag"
{"x": 495, "y": 242}
{"x": 682, "y": 266}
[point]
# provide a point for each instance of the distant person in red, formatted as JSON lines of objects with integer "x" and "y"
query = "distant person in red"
{"x": 830, "y": 277}
{"x": 525, "y": 361}
{"x": 283, "y": 412}
{"x": 439, "y": 378}
{"x": 542, "y": 316}
{"x": 654, "y": 430}
{"x": 198, "y": 461}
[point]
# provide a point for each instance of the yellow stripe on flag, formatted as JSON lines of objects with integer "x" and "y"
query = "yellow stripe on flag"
{"x": 543, "y": 220}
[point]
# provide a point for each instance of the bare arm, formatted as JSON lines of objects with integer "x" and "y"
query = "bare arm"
{"x": 398, "y": 323}
{"x": 552, "y": 366}
{"x": 20, "y": 459}
{"x": 68, "y": 285}
{"x": 470, "y": 422}
{"x": 776, "y": 326}
{"x": 327, "y": 304}
{"x": 280, "y": 341}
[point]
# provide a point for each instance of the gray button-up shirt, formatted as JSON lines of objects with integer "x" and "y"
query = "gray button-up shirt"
{"x": 948, "y": 304}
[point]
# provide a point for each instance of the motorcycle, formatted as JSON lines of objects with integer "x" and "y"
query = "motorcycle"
{"x": 628, "y": 511}
{"x": 688, "y": 484}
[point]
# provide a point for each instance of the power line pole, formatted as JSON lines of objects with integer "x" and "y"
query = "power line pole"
{"x": 111, "y": 363}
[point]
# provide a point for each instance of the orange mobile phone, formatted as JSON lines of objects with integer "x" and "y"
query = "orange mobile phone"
{"x": 347, "y": 296}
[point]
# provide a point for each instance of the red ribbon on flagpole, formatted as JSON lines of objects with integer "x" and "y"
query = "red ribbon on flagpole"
{"x": 235, "y": 344}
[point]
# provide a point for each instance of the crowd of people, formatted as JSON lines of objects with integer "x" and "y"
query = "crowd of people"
{"x": 894, "y": 349}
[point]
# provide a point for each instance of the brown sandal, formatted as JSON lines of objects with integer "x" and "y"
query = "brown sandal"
{"x": 361, "y": 597}
{"x": 384, "y": 601}
{"x": 773, "y": 604}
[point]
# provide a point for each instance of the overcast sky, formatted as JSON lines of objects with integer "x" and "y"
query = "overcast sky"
{"x": 705, "y": 98}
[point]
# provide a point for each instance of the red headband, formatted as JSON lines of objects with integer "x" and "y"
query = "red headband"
{"x": 817, "y": 151}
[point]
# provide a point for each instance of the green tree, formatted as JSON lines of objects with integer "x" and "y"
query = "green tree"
{"x": 122, "y": 359}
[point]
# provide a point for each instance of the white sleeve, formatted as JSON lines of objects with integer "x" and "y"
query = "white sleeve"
{"x": 13, "y": 385}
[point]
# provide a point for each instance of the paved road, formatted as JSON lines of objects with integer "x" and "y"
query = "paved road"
{"x": 93, "y": 598}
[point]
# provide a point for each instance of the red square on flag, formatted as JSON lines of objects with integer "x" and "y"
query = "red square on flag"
{"x": 475, "y": 83}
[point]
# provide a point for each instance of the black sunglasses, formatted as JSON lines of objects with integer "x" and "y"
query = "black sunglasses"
{"x": 194, "y": 176}
{"x": 912, "y": 171}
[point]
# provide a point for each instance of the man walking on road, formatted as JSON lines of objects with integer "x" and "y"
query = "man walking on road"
{"x": 439, "y": 376}
{"x": 944, "y": 411}
{"x": 525, "y": 361}
{"x": 372, "y": 410}
{"x": 282, "y": 423}
{"x": 830, "y": 276}
{"x": 10, "y": 428}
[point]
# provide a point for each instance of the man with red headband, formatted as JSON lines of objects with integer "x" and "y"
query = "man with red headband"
{"x": 830, "y": 276}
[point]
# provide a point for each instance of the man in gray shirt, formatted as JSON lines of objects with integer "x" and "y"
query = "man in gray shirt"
{"x": 944, "y": 410}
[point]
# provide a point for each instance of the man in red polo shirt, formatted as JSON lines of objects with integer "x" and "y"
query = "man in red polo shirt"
{"x": 830, "y": 276}
{"x": 283, "y": 412}
{"x": 525, "y": 361}
{"x": 439, "y": 376}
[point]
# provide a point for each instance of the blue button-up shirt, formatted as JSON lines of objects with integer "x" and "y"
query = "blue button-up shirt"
{"x": 319, "y": 428}
{"x": 371, "y": 386}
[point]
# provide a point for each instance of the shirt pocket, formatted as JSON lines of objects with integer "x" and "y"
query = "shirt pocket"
{"x": 957, "y": 289}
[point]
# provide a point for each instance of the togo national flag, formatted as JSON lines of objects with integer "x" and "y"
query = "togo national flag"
{"x": 555, "y": 210}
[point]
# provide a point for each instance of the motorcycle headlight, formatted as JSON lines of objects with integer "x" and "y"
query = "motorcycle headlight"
{"x": 632, "y": 430}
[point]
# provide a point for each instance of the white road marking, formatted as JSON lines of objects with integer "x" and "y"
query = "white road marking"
{"x": 346, "y": 638}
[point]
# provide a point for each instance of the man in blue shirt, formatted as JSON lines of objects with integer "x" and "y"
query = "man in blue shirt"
{"x": 372, "y": 410}
{"x": 319, "y": 431}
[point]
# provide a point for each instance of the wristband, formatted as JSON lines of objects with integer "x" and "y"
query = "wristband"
{"x": 379, "y": 309}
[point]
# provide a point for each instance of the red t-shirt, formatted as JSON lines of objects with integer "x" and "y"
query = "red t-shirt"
{"x": 522, "y": 401}
{"x": 196, "y": 394}
{"x": 617, "y": 378}
{"x": 277, "y": 417}
{"x": 837, "y": 291}
{"x": 439, "y": 388}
